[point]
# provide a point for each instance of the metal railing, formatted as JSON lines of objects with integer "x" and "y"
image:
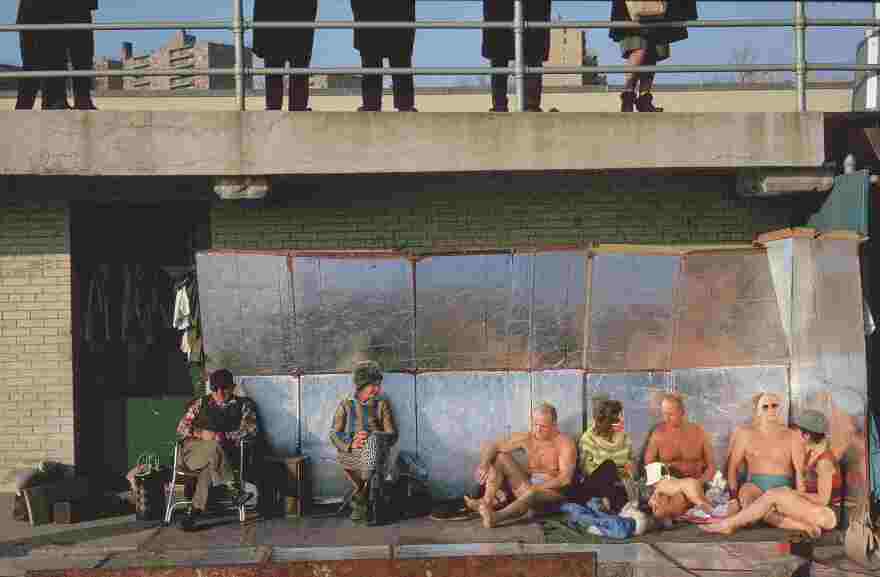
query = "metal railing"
{"x": 239, "y": 25}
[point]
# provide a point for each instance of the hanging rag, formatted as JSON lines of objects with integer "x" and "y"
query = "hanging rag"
{"x": 182, "y": 319}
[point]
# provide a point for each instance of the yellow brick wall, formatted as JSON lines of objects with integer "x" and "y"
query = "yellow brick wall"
{"x": 36, "y": 376}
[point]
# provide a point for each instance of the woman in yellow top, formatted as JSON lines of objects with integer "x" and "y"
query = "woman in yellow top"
{"x": 605, "y": 457}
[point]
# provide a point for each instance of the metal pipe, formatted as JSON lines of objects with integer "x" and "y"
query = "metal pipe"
{"x": 429, "y": 71}
{"x": 238, "y": 36}
{"x": 445, "y": 24}
{"x": 800, "y": 51}
{"x": 519, "y": 55}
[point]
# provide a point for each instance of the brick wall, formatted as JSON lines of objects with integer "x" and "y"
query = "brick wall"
{"x": 36, "y": 378}
{"x": 486, "y": 211}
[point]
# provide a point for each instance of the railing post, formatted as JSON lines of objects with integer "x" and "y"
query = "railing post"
{"x": 519, "y": 55}
{"x": 238, "y": 36}
{"x": 800, "y": 54}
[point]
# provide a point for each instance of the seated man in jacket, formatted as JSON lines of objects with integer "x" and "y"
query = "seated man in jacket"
{"x": 363, "y": 432}
{"x": 211, "y": 428}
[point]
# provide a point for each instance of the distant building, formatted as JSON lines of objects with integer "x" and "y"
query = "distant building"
{"x": 104, "y": 83}
{"x": 568, "y": 47}
{"x": 185, "y": 53}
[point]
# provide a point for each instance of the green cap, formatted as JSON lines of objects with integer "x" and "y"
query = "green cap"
{"x": 813, "y": 421}
{"x": 367, "y": 373}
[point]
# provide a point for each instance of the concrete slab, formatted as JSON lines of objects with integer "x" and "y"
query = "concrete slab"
{"x": 265, "y": 143}
{"x": 704, "y": 557}
{"x": 20, "y": 567}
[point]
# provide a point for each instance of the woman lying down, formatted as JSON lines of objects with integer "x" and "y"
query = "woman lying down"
{"x": 809, "y": 511}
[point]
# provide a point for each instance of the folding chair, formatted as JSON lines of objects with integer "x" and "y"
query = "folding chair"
{"x": 185, "y": 478}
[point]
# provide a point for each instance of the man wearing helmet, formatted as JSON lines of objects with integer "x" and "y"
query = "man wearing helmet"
{"x": 363, "y": 432}
{"x": 211, "y": 428}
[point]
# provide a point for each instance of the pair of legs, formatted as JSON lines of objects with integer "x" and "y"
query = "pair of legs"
{"x": 534, "y": 87}
{"x": 781, "y": 507}
{"x": 360, "y": 465}
{"x": 297, "y": 90}
{"x": 640, "y": 82}
{"x": 50, "y": 50}
{"x": 403, "y": 85}
{"x": 690, "y": 489}
{"x": 210, "y": 461}
{"x": 528, "y": 497}
{"x": 756, "y": 486}
{"x": 604, "y": 483}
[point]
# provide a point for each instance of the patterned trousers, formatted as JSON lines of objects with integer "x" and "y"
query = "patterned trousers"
{"x": 371, "y": 457}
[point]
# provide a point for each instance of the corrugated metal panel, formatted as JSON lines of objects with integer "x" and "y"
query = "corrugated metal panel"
{"x": 847, "y": 206}
{"x": 277, "y": 400}
{"x": 565, "y": 391}
{"x": 459, "y": 410}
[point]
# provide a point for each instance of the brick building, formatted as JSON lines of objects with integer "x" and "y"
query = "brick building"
{"x": 185, "y": 53}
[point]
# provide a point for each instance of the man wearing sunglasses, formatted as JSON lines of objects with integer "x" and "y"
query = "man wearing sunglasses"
{"x": 770, "y": 451}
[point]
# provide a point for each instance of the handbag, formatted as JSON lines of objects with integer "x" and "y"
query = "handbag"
{"x": 646, "y": 9}
{"x": 861, "y": 542}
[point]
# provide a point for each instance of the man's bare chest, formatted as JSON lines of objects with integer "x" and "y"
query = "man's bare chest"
{"x": 768, "y": 446}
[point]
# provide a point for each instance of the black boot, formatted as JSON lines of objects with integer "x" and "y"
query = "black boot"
{"x": 627, "y": 101}
{"x": 188, "y": 523}
{"x": 645, "y": 103}
{"x": 376, "y": 508}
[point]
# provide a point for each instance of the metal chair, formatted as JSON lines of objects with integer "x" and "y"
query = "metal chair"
{"x": 183, "y": 477}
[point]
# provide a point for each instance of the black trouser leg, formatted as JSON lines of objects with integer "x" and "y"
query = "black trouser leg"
{"x": 604, "y": 482}
{"x": 27, "y": 87}
{"x": 403, "y": 84}
{"x": 274, "y": 86}
{"x": 82, "y": 57}
{"x": 371, "y": 84}
{"x": 499, "y": 88}
{"x": 534, "y": 87}
{"x": 298, "y": 98}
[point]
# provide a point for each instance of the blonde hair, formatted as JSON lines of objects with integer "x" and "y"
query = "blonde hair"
{"x": 673, "y": 398}
{"x": 547, "y": 409}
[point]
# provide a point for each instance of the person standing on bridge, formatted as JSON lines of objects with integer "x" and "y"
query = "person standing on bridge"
{"x": 498, "y": 49}
{"x": 647, "y": 47}
{"x": 41, "y": 51}
{"x": 279, "y": 45}
{"x": 376, "y": 44}
{"x": 81, "y": 47}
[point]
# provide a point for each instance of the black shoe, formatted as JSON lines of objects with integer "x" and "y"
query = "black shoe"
{"x": 498, "y": 109}
{"x": 188, "y": 523}
{"x": 368, "y": 109}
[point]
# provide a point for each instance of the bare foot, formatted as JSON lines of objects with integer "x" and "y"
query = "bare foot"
{"x": 722, "y": 528}
{"x": 488, "y": 516}
{"x": 472, "y": 504}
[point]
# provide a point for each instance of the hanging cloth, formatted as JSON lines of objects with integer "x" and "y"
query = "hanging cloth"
{"x": 182, "y": 319}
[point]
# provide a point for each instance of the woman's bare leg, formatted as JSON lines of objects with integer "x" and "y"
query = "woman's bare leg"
{"x": 636, "y": 58}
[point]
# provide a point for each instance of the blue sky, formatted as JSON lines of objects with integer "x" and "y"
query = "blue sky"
{"x": 462, "y": 47}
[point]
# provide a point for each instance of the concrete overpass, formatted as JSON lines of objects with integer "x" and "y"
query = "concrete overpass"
{"x": 772, "y": 153}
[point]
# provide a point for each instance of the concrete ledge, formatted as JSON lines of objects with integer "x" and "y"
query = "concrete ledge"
{"x": 273, "y": 143}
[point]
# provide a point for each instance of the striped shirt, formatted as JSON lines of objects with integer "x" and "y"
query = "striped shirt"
{"x": 353, "y": 416}
{"x": 595, "y": 450}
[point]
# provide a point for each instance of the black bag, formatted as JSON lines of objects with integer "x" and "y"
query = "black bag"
{"x": 408, "y": 498}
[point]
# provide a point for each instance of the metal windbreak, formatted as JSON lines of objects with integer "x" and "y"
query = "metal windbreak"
{"x": 247, "y": 312}
{"x": 465, "y": 313}
{"x": 558, "y": 308}
{"x": 351, "y": 309}
{"x": 727, "y": 313}
{"x": 631, "y": 311}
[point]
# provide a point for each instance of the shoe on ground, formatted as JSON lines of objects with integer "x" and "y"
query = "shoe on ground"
{"x": 188, "y": 523}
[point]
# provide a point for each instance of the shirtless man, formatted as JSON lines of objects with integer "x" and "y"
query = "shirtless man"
{"x": 772, "y": 454}
{"x": 552, "y": 458}
{"x": 684, "y": 447}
